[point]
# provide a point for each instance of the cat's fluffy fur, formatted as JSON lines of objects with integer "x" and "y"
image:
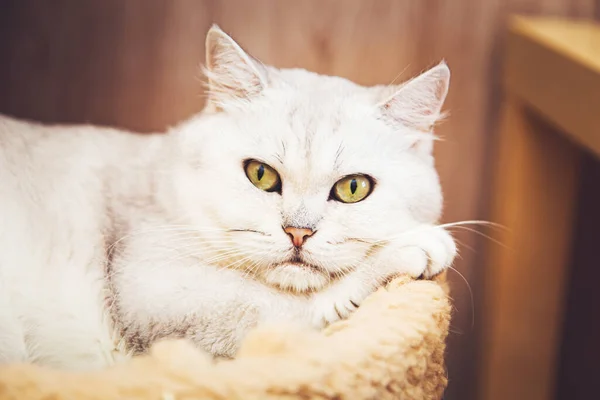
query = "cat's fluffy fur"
{"x": 111, "y": 240}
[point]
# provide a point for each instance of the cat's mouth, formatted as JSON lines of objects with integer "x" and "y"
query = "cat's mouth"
{"x": 302, "y": 265}
{"x": 297, "y": 261}
{"x": 297, "y": 275}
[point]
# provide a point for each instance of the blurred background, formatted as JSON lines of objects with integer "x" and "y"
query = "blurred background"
{"x": 135, "y": 64}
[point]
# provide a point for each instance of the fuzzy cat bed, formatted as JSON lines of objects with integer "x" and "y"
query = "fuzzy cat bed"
{"x": 391, "y": 347}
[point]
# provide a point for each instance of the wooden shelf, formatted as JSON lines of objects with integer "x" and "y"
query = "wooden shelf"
{"x": 553, "y": 66}
{"x": 550, "y": 117}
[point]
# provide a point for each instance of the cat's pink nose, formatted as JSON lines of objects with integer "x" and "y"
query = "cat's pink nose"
{"x": 298, "y": 235}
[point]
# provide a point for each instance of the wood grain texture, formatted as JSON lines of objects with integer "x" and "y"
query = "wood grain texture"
{"x": 135, "y": 64}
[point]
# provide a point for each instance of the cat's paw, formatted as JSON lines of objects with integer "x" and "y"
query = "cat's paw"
{"x": 339, "y": 301}
{"x": 430, "y": 251}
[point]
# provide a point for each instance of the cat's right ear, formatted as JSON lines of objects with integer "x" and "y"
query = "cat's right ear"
{"x": 234, "y": 76}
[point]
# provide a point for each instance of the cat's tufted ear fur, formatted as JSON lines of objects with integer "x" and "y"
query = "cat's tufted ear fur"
{"x": 233, "y": 75}
{"x": 417, "y": 104}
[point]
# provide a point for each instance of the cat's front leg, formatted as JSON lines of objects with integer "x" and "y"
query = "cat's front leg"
{"x": 425, "y": 251}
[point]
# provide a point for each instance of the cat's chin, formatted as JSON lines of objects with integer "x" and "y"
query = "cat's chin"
{"x": 296, "y": 277}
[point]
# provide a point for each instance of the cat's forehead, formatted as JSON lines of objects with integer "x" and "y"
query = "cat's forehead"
{"x": 318, "y": 127}
{"x": 309, "y": 81}
{"x": 320, "y": 140}
{"x": 309, "y": 100}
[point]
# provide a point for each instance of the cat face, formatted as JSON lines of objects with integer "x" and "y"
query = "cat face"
{"x": 298, "y": 178}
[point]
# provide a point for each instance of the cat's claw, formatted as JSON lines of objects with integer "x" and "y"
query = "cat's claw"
{"x": 339, "y": 301}
{"x": 325, "y": 314}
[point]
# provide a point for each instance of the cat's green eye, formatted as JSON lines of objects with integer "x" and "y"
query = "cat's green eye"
{"x": 352, "y": 189}
{"x": 262, "y": 176}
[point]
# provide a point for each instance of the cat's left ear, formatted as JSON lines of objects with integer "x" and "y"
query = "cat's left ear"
{"x": 417, "y": 104}
{"x": 233, "y": 75}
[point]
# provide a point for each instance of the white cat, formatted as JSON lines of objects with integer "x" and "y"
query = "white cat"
{"x": 290, "y": 198}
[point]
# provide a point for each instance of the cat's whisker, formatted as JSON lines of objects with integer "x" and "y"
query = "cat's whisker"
{"x": 256, "y": 265}
{"x": 232, "y": 256}
{"x": 496, "y": 241}
{"x": 204, "y": 242}
{"x": 232, "y": 253}
{"x": 421, "y": 228}
{"x": 251, "y": 269}
{"x": 174, "y": 244}
{"x": 189, "y": 254}
{"x": 180, "y": 229}
{"x": 473, "y": 222}
{"x": 133, "y": 234}
{"x": 236, "y": 263}
{"x": 472, "y": 301}
{"x": 175, "y": 259}
{"x": 244, "y": 254}
{"x": 176, "y": 250}
{"x": 462, "y": 245}
{"x": 192, "y": 240}
{"x": 176, "y": 227}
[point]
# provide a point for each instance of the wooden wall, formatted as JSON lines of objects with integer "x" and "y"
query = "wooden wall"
{"x": 134, "y": 63}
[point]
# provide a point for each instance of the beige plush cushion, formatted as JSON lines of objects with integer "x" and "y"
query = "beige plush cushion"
{"x": 392, "y": 347}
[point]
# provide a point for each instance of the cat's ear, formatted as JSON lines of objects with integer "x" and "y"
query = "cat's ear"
{"x": 232, "y": 74}
{"x": 417, "y": 104}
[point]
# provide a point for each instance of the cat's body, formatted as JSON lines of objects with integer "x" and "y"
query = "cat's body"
{"x": 111, "y": 240}
{"x": 54, "y": 232}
